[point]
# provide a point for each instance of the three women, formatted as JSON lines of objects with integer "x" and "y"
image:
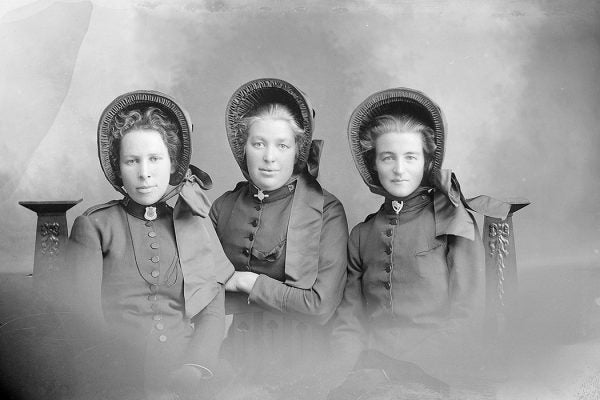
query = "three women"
{"x": 412, "y": 272}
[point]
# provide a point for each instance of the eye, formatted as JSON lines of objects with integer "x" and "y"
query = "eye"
{"x": 129, "y": 162}
{"x": 258, "y": 145}
{"x": 155, "y": 158}
{"x": 283, "y": 146}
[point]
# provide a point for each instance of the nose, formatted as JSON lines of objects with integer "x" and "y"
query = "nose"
{"x": 144, "y": 170}
{"x": 399, "y": 167}
{"x": 269, "y": 154}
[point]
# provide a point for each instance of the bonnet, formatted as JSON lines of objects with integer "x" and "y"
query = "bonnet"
{"x": 251, "y": 95}
{"x": 139, "y": 99}
{"x": 395, "y": 101}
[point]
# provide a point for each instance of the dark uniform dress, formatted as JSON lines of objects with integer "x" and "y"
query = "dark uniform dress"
{"x": 415, "y": 285}
{"x": 295, "y": 239}
{"x": 132, "y": 287}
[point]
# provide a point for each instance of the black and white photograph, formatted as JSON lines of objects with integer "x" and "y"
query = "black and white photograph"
{"x": 299, "y": 199}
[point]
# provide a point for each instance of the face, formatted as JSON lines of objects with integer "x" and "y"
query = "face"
{"x": 270, "y": 153}
{"x": 400, "y": 162}
{"x": 145, "y": 166}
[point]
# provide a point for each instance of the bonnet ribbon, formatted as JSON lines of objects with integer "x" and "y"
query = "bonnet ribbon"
{"x": 450, "y": 206}
{"x": 203, "y": 262}
{"x": 314, "y": 157}
{"x": 305, "y": 224}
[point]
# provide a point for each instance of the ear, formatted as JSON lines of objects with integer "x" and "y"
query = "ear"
{"x": 173, "y": 167}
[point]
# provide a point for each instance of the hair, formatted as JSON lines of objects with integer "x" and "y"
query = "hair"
{"x": 144, "y": 118}
{"x": 273, "y": 111}
{"x": 383, "y": 124}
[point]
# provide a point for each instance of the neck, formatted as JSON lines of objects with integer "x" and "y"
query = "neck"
{"x": 145, "y": 212}
{"x": 266, "y": 196}
{"x": 416, "y": 200}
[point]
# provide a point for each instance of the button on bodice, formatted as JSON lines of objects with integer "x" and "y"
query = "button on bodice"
{"x": 152, "y": 281}
{"x": 254, "y": 233}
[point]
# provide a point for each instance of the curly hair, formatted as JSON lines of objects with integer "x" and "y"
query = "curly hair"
{"x": 273, "y": 111}
{"x": 144, "y": 118}
{"x": 387, "y": 123}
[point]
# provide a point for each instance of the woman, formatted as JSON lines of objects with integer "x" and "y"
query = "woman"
{"x": 149, "y": 276}
{"x": 284, "y": 234}
{"x": 415, "y": 287}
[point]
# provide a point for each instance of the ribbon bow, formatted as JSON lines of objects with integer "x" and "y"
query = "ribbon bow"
{"x": 314, "y": 157}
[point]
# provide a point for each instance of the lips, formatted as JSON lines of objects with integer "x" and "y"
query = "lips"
{"x": 268, "y": 171}
{"x": 145, "y": 189}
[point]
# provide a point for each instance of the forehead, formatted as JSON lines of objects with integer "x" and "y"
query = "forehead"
{"x": 143, "y": 140}
{"x": 399, "y": 142}
{"x": 271, "y": 129}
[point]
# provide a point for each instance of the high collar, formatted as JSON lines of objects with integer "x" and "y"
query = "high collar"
{"x": 140, "y": 211}
{"x": 417, "y": 200}
{"x": 271, "y": 195}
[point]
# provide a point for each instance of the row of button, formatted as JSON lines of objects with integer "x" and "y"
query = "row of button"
{"x": 389, "y": 233}
{"x": 254, "y": 222}
{"x": 153, "y": 297}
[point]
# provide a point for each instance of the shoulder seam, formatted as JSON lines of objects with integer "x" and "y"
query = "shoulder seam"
{"x": 100, "y": 207}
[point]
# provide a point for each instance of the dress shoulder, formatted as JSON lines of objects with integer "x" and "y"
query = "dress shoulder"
{"x": 330, "y": 201}
{"x": 364, "y": 227}
{"x": 99, "y": 207}
{"x": 369, "y": 217}
{"x": 227, "y": 199}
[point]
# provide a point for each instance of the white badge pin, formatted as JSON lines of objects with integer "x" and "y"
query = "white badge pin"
{"x": 260, "y": 195}
{"x": 397, "y": 206}
{"x": 150, "y": 213}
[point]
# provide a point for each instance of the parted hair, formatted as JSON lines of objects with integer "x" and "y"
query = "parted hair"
{"x": 387, "y": 123}
{"x": 144, "y": 118}
{"x": 273, "y": 111}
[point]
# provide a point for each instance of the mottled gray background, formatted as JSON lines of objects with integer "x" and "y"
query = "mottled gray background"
{"x": 517, "y": 80}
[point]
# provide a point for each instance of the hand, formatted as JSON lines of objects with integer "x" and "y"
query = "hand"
{"x": 241, "y": 281}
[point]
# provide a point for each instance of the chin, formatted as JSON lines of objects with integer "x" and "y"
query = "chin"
{"x": 145, "y": 201}
{"x": 398, "y": 193}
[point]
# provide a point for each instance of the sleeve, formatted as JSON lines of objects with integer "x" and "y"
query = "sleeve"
{"x": 319, "y": 302}
{"x": 467, "y": 281}
{"x": 224, "y": 267}
{"x": 462, "y": 330}
{"x": 209, "y": 331}
{"x": 84, "y": 267}
{"x": 349, "y": 335}
{"x": 214, "y": 212}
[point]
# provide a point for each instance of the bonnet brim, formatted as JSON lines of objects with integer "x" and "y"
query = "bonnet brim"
{"x": 253, "y": 94}
{"x": 396, "y": 101}
{"x": 136, "y": 99}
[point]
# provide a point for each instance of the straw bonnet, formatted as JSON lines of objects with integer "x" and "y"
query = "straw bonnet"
{"x": 255, "y": 93}
{"x": 395, "y": 101}
{"x": 139, "y": 99}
